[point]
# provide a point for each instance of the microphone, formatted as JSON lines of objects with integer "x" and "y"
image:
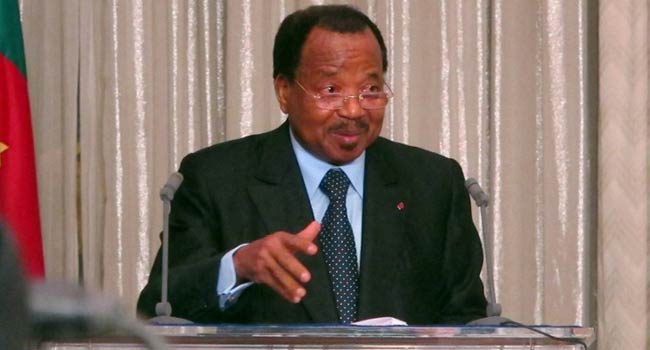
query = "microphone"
{"x": 482, "y": 200}
{"x": 164, "y": 308}
{"x": 480, "y": 197}
{"x": 170, "y": 187}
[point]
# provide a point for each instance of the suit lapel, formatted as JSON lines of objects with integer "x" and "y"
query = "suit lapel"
{"x": 279, "y": 194}
{"x": 382, "y": 253}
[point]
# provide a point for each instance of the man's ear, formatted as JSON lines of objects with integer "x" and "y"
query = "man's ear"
{"x": 282, "y": 91}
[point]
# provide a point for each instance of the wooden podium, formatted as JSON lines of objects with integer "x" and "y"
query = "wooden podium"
{"x": 333, "y": 337}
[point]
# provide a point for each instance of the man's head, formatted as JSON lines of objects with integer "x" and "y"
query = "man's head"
{"x": 323, "y": 51}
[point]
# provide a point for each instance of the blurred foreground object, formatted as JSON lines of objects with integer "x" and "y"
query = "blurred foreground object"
{"x": 13, "y": 309}
{"x": 62, "y": 310}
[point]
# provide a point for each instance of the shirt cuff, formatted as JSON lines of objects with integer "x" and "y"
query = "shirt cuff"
{"x": 226, "y": 281}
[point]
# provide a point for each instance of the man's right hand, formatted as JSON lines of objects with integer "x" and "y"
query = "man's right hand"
{"x": 271, "y": 260}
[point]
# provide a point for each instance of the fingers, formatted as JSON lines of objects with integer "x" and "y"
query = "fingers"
{"x": 271, "y": 260}
{"x": 303, "y": 241}
{"x": 273, "y": 274}
{"x": 309, "y": 233}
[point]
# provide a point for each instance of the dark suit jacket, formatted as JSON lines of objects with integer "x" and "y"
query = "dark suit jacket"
{"x": 420, "y": 263}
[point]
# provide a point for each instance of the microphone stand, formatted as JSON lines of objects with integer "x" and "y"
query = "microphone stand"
{"x": 493, "y": 309}
{"x": 164, "y": 308}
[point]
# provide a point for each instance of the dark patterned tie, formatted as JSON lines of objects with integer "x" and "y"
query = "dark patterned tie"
{"x": 338, "y": 245}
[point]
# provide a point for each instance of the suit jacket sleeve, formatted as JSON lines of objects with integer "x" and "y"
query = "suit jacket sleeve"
{"x": 463, "y": 258}
{"x": 195, "y": 252}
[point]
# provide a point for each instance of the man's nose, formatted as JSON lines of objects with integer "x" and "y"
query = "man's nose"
{"x": 352, "y": 108}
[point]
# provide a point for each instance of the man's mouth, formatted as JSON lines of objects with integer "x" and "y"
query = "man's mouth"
{"x": 349, "y": 133}
{"x": 347, "y": 137}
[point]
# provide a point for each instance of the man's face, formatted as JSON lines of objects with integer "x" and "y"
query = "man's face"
{"x": 346, "y": 63}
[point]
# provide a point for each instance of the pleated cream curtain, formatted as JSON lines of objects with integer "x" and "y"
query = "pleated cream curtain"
{"x": 121, "y": 90}
{"x": 624, "y": 175}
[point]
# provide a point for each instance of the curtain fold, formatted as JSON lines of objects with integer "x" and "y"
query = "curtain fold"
{"x": 90, "y": 168}
{"x": 122, "y": 90}
{"x": 52, "y": 49}
{"x": 624, "y": 175}
{"x": 538, "y": 161}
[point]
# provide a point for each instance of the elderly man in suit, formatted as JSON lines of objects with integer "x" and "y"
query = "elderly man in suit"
{"x": 322, "y": 220}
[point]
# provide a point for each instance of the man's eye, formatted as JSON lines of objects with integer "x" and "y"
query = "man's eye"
{"x": 372, "y": 88}
{"x": 329, "y": 90}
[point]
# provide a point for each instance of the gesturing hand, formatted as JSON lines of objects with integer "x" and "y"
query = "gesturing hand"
{"x": 271, "y": 260}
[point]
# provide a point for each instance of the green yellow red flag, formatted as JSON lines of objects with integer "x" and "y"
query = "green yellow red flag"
{"x": 18, "y": 188}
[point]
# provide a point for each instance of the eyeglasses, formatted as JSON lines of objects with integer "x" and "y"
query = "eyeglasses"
{"x": 367, "y": 99}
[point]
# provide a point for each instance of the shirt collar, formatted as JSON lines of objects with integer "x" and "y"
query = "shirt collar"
{"x": 313, "y": 169}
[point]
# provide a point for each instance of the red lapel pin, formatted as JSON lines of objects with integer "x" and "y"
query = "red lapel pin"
{"x": 400, "y": 206}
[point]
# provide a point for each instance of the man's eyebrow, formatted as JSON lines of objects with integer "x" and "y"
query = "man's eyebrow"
{"x": 327, "y": 72}
{"x": 332, "y": 72}
{"x": 374, "y": 75}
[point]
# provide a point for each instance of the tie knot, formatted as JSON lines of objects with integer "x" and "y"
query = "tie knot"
{"x": 335, "y": 184}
